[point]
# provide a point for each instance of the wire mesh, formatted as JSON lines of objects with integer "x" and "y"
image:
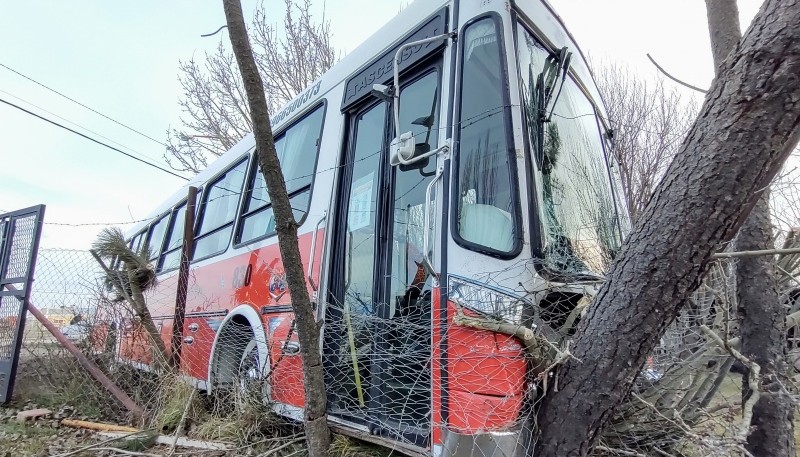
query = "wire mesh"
{"x": 402, "y": 370}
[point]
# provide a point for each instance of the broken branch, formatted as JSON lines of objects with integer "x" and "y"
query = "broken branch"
{"x": 753, "y": 373}
{"x": 674, "y": 78}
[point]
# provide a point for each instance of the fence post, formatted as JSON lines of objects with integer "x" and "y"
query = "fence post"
{"x": 183, "y": 278}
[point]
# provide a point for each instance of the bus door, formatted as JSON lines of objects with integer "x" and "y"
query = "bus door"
{"x": 378, "y": 323}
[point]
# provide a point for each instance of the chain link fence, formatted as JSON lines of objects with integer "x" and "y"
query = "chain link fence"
{"x": 73, "y": 292}
{"x": 379, "y": 370}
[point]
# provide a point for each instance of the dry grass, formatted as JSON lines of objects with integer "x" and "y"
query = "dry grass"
{"x": 174, "y": 398}
{"x": 225, "y": 429}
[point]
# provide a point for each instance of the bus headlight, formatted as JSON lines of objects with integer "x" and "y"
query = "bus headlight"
{"x": 486, "y": 300}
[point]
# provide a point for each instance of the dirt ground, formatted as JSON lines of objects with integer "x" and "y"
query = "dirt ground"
{"x": 43, "y": 437}
{"x": 47, "y": 437}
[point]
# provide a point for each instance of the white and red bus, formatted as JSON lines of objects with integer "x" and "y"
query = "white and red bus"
{"x": 458, "y": 160}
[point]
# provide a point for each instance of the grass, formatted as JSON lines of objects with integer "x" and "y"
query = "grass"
{"x": 53, "y": 381}
{"x": 239, "y": 418}
{"x": 174, "y": 397}
{"x": 25, "y": 439}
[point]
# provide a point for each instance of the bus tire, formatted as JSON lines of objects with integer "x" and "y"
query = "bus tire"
{"x": 238, "y": 361}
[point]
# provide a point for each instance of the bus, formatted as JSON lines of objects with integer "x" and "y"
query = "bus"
{"x": 457, "y": 164}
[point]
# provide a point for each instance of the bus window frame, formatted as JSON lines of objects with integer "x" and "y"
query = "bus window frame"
{"x": 244, "y": 158}
{"x": 516, "y": 249}
{"x": 534, "y": 222}
{"x": 141, "y": 233}
{"x": 255, "y": 168}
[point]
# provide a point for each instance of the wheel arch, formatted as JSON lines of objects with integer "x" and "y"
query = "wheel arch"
{"x": 222, "y": 347}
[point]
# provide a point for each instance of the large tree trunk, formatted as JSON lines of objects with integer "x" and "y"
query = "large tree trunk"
{"x": 315, "y": 423}
{"x": 761, "y": 315}
{"x": 763, "y": 335}
{"x": 703, "y": 199}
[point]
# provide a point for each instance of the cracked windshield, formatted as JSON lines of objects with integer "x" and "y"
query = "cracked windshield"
{"x": 580, "y": 231}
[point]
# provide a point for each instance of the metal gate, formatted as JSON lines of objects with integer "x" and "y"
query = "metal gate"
{"x": 19, "y": 241}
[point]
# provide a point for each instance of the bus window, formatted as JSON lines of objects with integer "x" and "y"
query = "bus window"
{"x": 486, "y": 185}
{"x": 297, "y": 150}
{"x": 577, "y": 211}
{"x": 174, "y": 242}
{"x": 156, "y": 237}
{"x": 220, "y": 202}
{"x": 136, "y": 243}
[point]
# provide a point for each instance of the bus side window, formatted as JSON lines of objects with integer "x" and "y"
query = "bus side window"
{"x": 156, "y": 237}
{"x": 486, "y": 184}
{"x": 220, "y": 202}
{"x": 170, "y": 259}
{"x": 297, "y": 150}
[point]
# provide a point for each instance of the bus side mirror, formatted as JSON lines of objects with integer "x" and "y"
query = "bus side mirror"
{"x": 403, "y": 149}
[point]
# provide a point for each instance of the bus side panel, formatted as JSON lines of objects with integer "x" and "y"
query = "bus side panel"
{"x": 256, "y": 278}
{"x": 215, "y": 288}
{"x": 286, "y": 370}
{"x": 198, "y": 337}
{"x": 134, "y": 344}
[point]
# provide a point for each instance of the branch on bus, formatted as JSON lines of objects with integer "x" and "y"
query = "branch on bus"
{"x": 541, "y": 351}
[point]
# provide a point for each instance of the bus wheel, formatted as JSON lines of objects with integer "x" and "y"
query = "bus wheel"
{"x": 250, "y": 378}
{"x": 235, "y": 367}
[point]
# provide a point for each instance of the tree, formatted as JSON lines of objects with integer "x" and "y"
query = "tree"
{"x": 308, "y": 331}
{"x": 761, "y": 313}
{"x": 703, "y": 199}
{"x": 131, "y": 280}
{"x": 214, "y": 103}
{"x": 649, "y": 122}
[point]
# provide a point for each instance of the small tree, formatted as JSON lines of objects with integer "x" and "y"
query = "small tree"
{"x": 308, "y": 331}
{"x": 214, "y": 104}
{"x": 133, "y": 277}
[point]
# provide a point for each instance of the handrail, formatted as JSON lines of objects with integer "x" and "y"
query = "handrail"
{"x": 426, "y": 258}
{"x": 313, "y": 254}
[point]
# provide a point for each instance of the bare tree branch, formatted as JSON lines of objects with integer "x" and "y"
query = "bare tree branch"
{"x": 215, "y": 115}
{"x": 674, "y": 78}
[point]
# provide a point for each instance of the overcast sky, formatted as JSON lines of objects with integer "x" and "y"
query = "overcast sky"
{"x": 121, "y": 58}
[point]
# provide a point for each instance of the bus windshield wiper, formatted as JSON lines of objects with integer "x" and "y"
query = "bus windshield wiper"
{"x": 552, "y": 76}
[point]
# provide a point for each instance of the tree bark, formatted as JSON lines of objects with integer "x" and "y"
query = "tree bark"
{"x": 315, "y": 420}
{"x": 761, "y": 315}
{"x": 763, "y": 335}
{"x": 724, "y": 28}
{"x": 703, "y": 199}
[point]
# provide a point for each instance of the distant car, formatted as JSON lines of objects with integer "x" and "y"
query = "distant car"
{"x": 76, "y": 333}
